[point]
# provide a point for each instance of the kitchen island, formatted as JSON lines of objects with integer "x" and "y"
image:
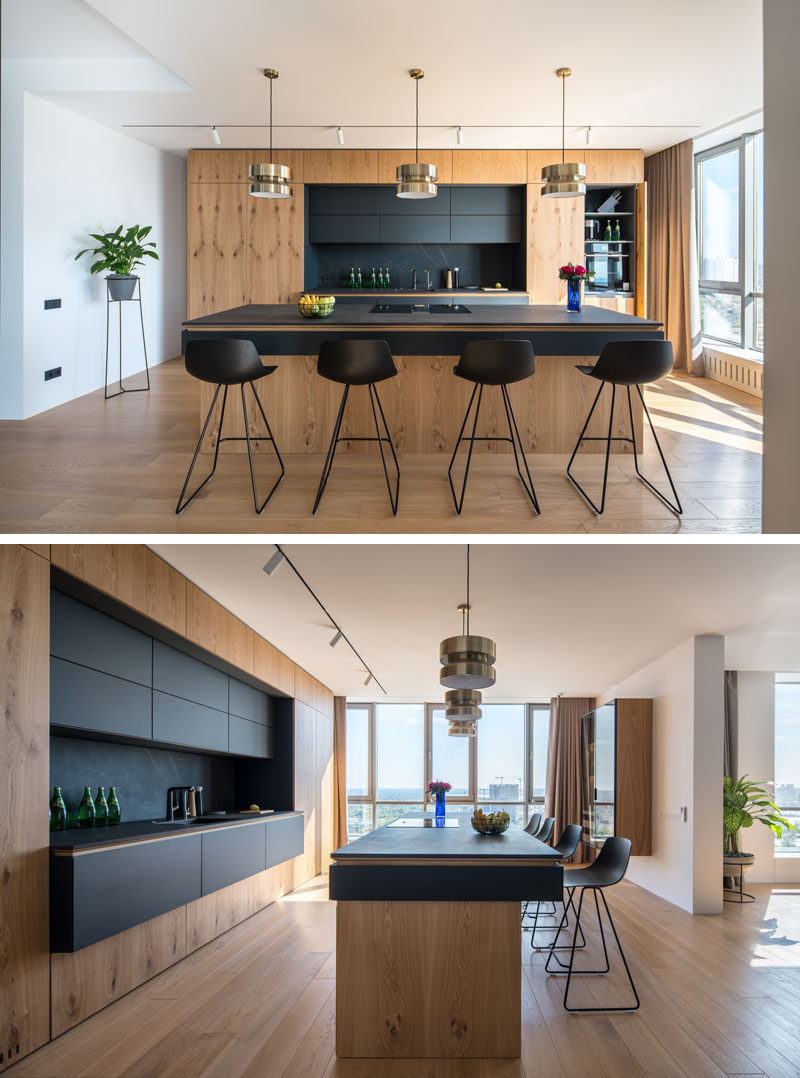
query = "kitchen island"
{"x": 428, "y": 960}
{"x": 426, "y": 403}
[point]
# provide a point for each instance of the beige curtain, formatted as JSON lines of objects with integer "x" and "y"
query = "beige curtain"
{"x": 566, "y": 789}
{"x": 339, "y": 772}
{"x": 670, "y": 244}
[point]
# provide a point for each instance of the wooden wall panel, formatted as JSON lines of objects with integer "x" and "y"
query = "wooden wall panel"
{"x": 275, "y": 249}
{"x": 131, "y": 573}
{"x": 388, "y": 160}
{"x": 340, "y": 166}
{"x": 623, "y": 304}
{"x": 640, "y": 284}
{"x": 490, "y": 166}
{"x": 272, "y": 666}
{"x": 634, "y": 803}
{"x": 306, "y": 792}
{"x": 217, "y": 248}
{"x": 213, "y": 627}
{"x": 24, "y": 789}
{"x": 305, "y": 686}
{"x": 324, "y": 700}
{"x": 211, "y": 915}
{"x": 555, "y": 237}
{"x": 89, "y": 979}
{"x": 614, "y": 166}
{"x": 217, "y": 166}
{"x": 42, "y": 549}
{"x": 324, "y": 778}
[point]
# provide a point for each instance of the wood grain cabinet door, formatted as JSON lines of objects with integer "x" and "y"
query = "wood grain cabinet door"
{"x": 217, "y": 256}
{"x": 614, "y": 166}
{"x": 217, "y": 166}
{"x": 275, "y": 248}
{"x": 555, "y": 237}
{"x": 340, "y": 166}
{"x": 490, "y": 166}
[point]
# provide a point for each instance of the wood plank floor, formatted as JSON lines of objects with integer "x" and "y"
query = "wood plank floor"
{"x": 117, "y": 466}
{"x": 720, "y": 996}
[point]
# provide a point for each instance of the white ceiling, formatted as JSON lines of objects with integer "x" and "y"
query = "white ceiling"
{"x": 571, "y": 618}
{"x": 645, "y": 75}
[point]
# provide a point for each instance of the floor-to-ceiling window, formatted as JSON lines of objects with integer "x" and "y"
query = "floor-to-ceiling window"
{"x": 787, "y": 756}
{"x": 395, "y": 750}
{"x": 729, "y": 189}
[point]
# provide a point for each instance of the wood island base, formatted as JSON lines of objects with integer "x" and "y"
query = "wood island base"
{"x": 428, "y": 979}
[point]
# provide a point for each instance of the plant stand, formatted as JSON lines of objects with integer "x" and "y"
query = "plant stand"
{"x": 134, "y": 299}
{"x": 741, "y": 863}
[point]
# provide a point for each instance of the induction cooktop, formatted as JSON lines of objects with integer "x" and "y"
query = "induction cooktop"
{"x": 420, "y": 308}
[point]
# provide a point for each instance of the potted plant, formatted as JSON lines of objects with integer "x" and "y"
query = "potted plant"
{"x": 742, "y": 802}
{"x": 118, "y": 253}
{"x": 574, "y": 276}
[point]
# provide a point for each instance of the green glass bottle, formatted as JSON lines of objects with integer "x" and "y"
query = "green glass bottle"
{"x": 372, "y": 279}
{"x": 380, "y": 276}
{"x": 86, "y": 809}
{"x": 358, "y": 277}
{"x": 100, "y": 808}
{"x": 58, "y": 811}
{"x": 114, "y": 812}
{"x": 386, "y": 282}
{"x": 617, "y": 235}
{"x": 352, "y": 281}
{"x": 607, "y": 233}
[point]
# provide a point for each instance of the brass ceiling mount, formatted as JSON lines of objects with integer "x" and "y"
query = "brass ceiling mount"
{"x": 270, "y": 73}
{"x": 417, "y": 73}
{"x": 563, "y": 72}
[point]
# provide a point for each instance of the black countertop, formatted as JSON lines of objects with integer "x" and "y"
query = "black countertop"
{"x": 395, "y": 843}
{"x": 78, "y": 840}
{"x": 358, "y": 316}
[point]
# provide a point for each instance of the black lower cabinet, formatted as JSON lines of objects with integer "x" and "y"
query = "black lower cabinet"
{"x": 284, "y": 839}
{"x": 97, "y": 894}
{"x": 231, "y": 854}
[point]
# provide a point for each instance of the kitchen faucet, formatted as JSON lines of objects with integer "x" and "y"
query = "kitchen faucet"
{"x": 182, "y": 805}
{"x": 427, "y": 279}
{"x": 414, "y": 279}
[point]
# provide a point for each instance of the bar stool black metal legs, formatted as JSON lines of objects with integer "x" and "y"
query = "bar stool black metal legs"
{"x": 359, "y": 363}
{"x": 234, "y": 363}
{"x": 497, "y": 363}
{"x": 628, "y": 363}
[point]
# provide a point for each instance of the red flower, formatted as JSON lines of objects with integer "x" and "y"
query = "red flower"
{"x": 580, "y": 270}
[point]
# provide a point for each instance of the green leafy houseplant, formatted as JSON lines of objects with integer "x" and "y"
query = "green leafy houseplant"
{"x": 742, "y": 802}
{"x": 120, "y": 251}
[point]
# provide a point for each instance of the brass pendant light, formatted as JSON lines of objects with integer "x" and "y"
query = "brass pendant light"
{"x": 467, "y": 666}
{"x": 417, "y": 180}
{"x": 564, "y": 180}
{"x": 270, "y": 180}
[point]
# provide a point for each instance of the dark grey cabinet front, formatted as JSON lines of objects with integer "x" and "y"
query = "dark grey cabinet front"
{"x": 284, "y": 839}
{"x": 112, "y": 890}
{"x": 186, "y": 723}
{"x": 415, "y": 228}
{"x": 80, "y": 634}
{"x": 343, "y": 228}
{"x": 343, "y": 199}
{"x": 479, "y": 228}
{"x": 181, "y": 675}
{"x": 481, "y": 201}
{"x": 249, "y": 738}
{"x": 393, "y": 206}
{"x": 232, "y": 854}
{"x": 87, "y": 699}
{"x": 248, "y": 703}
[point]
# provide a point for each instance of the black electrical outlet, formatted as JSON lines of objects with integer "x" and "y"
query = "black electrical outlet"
{"x": 52, "y": 304}
{"x": 54, "y": 372}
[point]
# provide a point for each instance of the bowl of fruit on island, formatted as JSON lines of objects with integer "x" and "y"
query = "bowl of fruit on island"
{"x": 495, "y": 823}
{"x": 313, "y": 306}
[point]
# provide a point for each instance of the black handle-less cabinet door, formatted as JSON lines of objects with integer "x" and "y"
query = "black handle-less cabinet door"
{"x": 485, "y": 229}
{"x": 87, "y": 699}
{"x": 80, "y": 634}
{"x": 486, "y": 200}
{"x": 247, "y": 738}
{"x": 343, "y": 228}
{"x": 343, "y": 199}
{"x": 181, "y": 675}
{"x": 248, "y": 703}
{"x": 188, "y": 724}
{"x": 415, "y": 228}
{"x": 284, "y": 839}
{"x": 232, "y": 854}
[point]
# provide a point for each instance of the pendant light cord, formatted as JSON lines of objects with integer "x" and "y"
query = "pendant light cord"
{"x": 270, "y": 120}
{"x": 563, "y": 112}
{"x": 467, "y": 589}
{"x": 416, "y": 125}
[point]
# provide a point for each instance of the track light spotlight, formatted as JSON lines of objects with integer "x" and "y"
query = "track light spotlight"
{"x": 369, "y": 678}
{"x": 340, "y": 136}
{"x": 275, "y": 562}
{"x": 459, "y": 135}
{"x": 215, "y": 137}
{"x": 336, "y": 638}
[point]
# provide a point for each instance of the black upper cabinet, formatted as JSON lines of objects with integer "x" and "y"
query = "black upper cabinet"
{"x": 86, "y": 699}
{"x": 181, "y": 675}
{"x": 343, "y": 228}
{"x": 186, "y": 723}
{"x": 247, "y": 738}
{"x": 414, "y": 207}
{"x": 480, "y": 228}
{"x": 249, "y": 703}
{"x": 415, "y": 228}
{"x": 503, "y": 201}
{"x": 80, "y": 634}
{"x": 349, "y": 200}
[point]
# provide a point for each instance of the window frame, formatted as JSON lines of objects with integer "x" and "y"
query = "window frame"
{"x": 745, "y": 287}
{"x": 783, "y": 851}
{"x": 528, "y": 801}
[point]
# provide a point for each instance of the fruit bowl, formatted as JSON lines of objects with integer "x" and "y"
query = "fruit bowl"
{"x": 493, "y": 824}
{"x": 313, "y": 306}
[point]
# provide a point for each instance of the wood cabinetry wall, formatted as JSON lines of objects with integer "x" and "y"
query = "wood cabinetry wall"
{"x": 250, "y": 250}
{"x": 42, "y": 995}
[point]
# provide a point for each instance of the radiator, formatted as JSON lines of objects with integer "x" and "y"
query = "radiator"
{"x": 745, "y": 374}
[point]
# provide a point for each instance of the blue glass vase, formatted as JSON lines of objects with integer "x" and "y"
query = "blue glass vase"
{"x": 573, "y": 294}
{"x": 440, "y": 806}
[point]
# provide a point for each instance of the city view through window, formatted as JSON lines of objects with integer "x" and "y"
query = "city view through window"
{"x": 787, "y": 757}
{"x": 395, "y": 750}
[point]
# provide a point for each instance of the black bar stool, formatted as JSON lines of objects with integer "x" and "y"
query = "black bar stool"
{"x": 627, "y": 363}
{"x": 609, "y": 868}
{"x": 546, "y": 830}
{"x": 358, "y": 363}
{"x": 494, "y": 363}
{"x": 228, "y": 363}
{"x": 566, "y": 847}
{"x": 532, "y": 826}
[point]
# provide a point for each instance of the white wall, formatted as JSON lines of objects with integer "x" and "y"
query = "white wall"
{"x": 781, "y": 498}
{"x": 686, "y": 686}
{"x": 80, "y": 177}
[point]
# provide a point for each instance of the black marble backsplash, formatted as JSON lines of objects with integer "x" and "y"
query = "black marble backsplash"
{"x": 328, "y": 264}
{"x": 141, "y": 775}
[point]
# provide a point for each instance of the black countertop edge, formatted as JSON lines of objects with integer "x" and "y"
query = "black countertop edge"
{"x": 419, "y": 292}
{"x": 390, "y": 844}
{"x": 77, "y": 841}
